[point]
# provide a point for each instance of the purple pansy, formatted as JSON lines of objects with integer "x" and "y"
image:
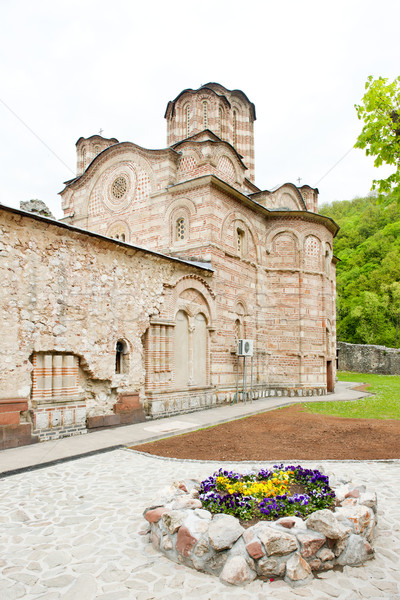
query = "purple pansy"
{"x": 317, "y": 494}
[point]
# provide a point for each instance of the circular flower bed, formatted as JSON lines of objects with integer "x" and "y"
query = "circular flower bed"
{"x": 284, "y": 522}
{"x": 267, "y": 494}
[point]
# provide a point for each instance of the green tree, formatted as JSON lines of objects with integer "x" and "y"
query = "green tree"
{"x": 380, "y": 136}
{"x": 369, "y": 318}
{"x": 368, "y": 273}
{"x": 393, "y": 306}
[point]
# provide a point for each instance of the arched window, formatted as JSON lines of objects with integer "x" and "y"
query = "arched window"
{"x": 119, "y": 231}
{"x": 238, "y": 331}
{"x": 180, "y": 229}
{"x": 234, "y": 139}
{"x": 205, "y": 115}
{"x": 187, "y": 119}
{"x": 121, "y": 355}
{"x": 240, "y": 241}
{"x": 119, "y": 236}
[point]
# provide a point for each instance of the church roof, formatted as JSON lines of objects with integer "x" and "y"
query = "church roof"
{"x": 96, "y": 136}
{"x": 218, "y": 90}
{"x": 109, "y": 151}
{"x": 208, "y": 136}
{"x": 278, "y": 187}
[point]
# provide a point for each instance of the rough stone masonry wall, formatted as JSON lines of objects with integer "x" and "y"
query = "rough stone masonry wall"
{"x": 363, "y": 358}
{"x": 71, "y": 293}
{"x": 288, "y": 548}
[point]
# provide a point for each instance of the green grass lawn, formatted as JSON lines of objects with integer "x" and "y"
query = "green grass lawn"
{"x": 385, "y": 404}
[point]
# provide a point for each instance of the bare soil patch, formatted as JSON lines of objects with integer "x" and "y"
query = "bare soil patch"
{"x": 363, "y": 387}
{"x": 286, "y": 434}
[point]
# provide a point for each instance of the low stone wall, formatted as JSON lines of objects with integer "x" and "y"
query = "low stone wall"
{"x": 288, "y": 548}
{"x": 363, "y": 358}
{"x": 165, "y": 405}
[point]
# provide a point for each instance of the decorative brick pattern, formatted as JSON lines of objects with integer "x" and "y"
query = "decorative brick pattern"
{"x": 187, "y": 164}
{"x": 312, "y": 253}
{"x": 54, "y": 377}
{"x": 226, "y": 169}
{"x": 143, "y": 186}
{"x": 95, "y": 205}
{"x": 54, "y": 422}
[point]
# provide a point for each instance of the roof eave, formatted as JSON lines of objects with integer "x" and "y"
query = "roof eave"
{"x": 74, "y": 229}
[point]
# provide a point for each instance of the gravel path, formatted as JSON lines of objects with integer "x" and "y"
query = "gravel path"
{"x": 71, "y": 532}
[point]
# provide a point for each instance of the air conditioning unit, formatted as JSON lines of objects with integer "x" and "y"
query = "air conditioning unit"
{"x": 245, "y": 347}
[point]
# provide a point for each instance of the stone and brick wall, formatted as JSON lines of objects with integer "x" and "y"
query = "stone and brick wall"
{"x": 279, "y": 285}
{"x": 14, "y": 430}
{"x": 364, "y": 358}
{"x": 227, "y": 113}
{"x": 67, "y": 298}
{"x": 92, "y": 319}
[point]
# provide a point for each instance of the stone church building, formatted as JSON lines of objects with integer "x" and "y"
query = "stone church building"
{"x": 131, "y": 306}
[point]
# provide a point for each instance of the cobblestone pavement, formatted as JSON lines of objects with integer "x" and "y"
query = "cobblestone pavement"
{"x": 71, "y": 531}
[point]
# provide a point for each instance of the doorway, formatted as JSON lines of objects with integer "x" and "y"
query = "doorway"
{"x": 329, "y": 377}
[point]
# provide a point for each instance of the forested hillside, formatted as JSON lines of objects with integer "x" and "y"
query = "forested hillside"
{"x": 368, "y": 274}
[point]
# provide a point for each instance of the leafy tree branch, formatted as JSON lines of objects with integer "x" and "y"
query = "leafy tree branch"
{"x": 380, "y": 136}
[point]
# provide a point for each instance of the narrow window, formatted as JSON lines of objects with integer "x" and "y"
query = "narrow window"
{"x": 180, "y": 229}
{"x": 96, "y": 150}
{"x": 205, "y": 115}
{"x": 84, "y": 158}
{"x": 220, "y": 122}
{"x": 122, "y": 237}
{"x": 234, "y": 127}
{"x": 187, "y": 120}
{"x": 240, "y": 241}
{"x": 238, "y": 331}
{"x": 120, "y": 351}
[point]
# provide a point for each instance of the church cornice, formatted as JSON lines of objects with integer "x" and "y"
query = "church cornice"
{"x": 212, "y": 180}
{"x": 296, "y": 190}
{"x": 304, "y": 215}
{"x": 212, "y": 137}
{"x": 216, "y": 142}
{"x": 108, "y": 153}
{"x": 252, "y": 186}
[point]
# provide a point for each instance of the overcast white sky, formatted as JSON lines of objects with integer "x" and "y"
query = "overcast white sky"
{"x": 71, "y": 67}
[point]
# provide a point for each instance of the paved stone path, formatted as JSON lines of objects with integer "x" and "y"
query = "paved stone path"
{"x": 71, "y": 532}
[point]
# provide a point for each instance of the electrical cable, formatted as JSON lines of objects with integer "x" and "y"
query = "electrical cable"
{"x": 36, "y": 136}
{"x": 335, "y": 165}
